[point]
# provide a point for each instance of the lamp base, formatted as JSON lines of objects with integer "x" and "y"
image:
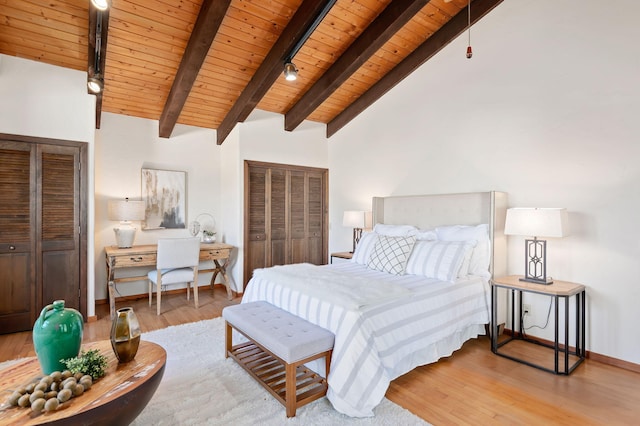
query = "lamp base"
{"x": 357, "y": 234}
{"x": 535, "y": 262}
{"x": 546, "y": 281}
{"x": 125, "y": 235}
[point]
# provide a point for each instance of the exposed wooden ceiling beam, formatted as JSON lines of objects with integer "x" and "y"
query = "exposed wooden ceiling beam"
{"x": 392, "y": 18}
{"x": 452, "y": 29}
{"x": 270, "y": 68}
{"x": 100, "y": 54}
{"x": 212, "y": 12}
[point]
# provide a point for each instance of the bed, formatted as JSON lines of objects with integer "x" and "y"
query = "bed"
{"x": 387, "y": 323}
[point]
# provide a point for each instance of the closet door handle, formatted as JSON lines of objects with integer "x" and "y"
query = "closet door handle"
{"x": 12, "y": 247}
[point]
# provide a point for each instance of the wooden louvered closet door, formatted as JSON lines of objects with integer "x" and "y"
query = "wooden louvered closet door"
{"x": 286, "y": 215}
{"x": 278, "y": 242}
{"x": 317, "y": 238}
{"x": 42, "y": 237}
{"x": 17, "y": 237}
{"x": 59, "y": 214}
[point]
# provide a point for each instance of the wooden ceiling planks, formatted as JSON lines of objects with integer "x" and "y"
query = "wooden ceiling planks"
{"x": 384, "y": 60}
{"x": 263, "y": 79}
{"x": 244, "y": 38}
{"x": 387, "y": 23}
{"x": 147, "y": 40}
{"x": 419, "y": 56}
{"x": 209, "y": 19}
{"x": 55, "y": 35}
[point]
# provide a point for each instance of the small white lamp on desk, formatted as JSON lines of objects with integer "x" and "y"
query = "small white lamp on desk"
{"x": 354, "y": 219}
{"x": 536, "y": 222}
{"x": 125, "y": 211}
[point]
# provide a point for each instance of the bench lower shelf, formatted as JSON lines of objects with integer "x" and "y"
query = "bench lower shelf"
{"x": 271, "y": 373}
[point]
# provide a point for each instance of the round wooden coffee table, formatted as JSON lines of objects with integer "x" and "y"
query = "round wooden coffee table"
{"x": 115, "y": 399}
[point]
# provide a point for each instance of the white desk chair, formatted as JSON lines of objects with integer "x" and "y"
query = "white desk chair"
{"x": 177, "y": 262}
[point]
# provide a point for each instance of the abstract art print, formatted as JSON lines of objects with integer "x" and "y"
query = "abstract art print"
{"x": 164, "y": 193}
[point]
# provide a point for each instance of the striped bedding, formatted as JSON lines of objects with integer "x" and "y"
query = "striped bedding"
{"x": 377, "y": 343}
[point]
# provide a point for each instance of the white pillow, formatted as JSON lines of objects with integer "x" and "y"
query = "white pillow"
{"x": 480, "y": 257}
{"x": 395, "y": 230}
{"x": 463, "y": 232}
{"x": 390, "y": 254}
{"x": 466, "y": 262}
{"x": 427, "y": 235}
{"x": 439, "y": 259}
{"x": 364, "y": 248}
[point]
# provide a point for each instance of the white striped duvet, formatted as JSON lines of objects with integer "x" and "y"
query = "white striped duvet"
{"x": 378, "y": 343}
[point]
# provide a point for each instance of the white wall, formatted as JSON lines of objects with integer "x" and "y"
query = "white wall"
{"x": 46, "y": 101}
{"x": 43, "y": 100}
{"x": 546, "y": 110}
{"x": 125, "y": 145}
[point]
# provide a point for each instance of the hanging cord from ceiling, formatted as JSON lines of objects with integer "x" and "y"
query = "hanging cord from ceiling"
{"x": 469, "y": 50}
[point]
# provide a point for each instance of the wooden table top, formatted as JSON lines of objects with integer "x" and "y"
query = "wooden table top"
{"x": 558, "y": 288}
{"x": 153, "y": 248}
{"x": 104, "y": 403}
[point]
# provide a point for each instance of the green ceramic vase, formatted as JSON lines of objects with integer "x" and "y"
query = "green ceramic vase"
{"x": 57, "y": 335}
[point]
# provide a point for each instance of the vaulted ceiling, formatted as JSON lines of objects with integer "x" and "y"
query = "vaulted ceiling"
{"x": 209, "y": 63}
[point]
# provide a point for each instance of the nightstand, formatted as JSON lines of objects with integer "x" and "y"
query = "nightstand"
{"x": 346, "y": 255}
{"x": 561, "y": 292}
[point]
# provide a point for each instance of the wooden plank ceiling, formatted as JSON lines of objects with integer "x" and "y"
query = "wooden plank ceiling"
{"x": 235, "y": 59}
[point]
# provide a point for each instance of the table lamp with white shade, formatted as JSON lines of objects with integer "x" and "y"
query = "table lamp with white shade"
{"x": 125, "y": 211}
{"x": 536, "y": 222}
{"x": 354, "y": 219}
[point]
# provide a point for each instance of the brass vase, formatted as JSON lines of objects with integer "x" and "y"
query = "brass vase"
{"x": 125, "y": 334}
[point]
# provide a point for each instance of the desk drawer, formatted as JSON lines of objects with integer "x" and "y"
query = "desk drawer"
{"x": 135, "y": 260}
{"x": 214, "y": 254}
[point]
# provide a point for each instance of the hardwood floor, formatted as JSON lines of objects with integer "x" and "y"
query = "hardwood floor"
{"x": 175, "y": 310}
{"x": 477, "y": 387}
{"x": 471, "y": 387}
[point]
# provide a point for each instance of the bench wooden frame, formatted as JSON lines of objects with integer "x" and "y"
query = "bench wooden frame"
{"x": 294, "y": 385}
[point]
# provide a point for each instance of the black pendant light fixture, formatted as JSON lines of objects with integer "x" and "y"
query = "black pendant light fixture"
{"x": 290, "y": 70}
{"x": 100, "y": 4}
{"x": 95, "y": 82}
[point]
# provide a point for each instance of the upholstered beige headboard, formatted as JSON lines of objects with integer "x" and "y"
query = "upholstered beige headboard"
{"x": 429, "y": 211}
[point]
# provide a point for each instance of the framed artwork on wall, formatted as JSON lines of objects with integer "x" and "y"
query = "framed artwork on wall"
{"x": 164, "y": 193}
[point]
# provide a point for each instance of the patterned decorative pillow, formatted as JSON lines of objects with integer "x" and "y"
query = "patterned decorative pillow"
{"x": 440, "y": 259}
{"x": 390, "y": 254}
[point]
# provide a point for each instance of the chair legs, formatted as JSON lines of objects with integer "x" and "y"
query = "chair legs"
{"x": 159, "y": 294}
{"x": 158, "y": 297}
{"x": 195, "y": 293}
{"x": 195, "y": 287}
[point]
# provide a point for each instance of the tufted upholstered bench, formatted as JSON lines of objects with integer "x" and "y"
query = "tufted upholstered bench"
{"x": 279, "y": 345}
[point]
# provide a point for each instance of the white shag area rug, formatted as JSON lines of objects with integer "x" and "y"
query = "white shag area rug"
{"x": 202, "y": 387}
